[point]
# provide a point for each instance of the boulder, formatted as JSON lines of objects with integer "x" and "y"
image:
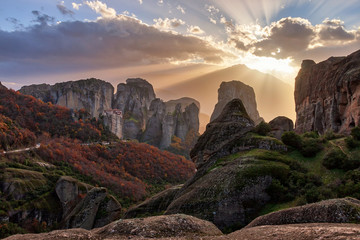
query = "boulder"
{"x": 327, "y": 95}
{"x": 236, "y": 89}
{"x": 343, "y": 210}
{"x": 177, "y": 226}
{"x": 279, "y": 125}
{"x": 83, "y": 215}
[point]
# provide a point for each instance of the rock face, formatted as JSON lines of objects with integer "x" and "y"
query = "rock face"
{"x": 344, "y": 210}
{"x": 133, "y": 112}
{"x": 237, "y": 89}
{"x": 93, "y": 95}
{"x": 327, "y": 94}
{"x": 279, "y": 125}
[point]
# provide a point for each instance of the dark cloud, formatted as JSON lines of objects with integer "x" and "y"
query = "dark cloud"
{"x": 42, "y": 19}
{"x": 289, "y": 35}
{"x": 64, "y": 10}
{"x": 15, "y": 22}
{"x": 106, "y": 43}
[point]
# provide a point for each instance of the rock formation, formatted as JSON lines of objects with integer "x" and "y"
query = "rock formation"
{"x": 220, "y": 192}
{"x": 237, "y": 89}
{"x": 327, "y": 94}
{"x": 133, "y": 112}
{"x": 71, "y": 204}
{"x": 279, "y": 125}
{"x": 93, "y": 95}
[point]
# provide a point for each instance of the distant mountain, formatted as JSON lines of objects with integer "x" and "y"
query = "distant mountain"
{"x": 273, "y": 96}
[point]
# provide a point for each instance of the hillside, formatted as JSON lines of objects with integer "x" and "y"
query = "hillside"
{"x": 130, "y": 171}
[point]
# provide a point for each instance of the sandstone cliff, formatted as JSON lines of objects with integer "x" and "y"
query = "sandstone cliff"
{"x": 327, "y": 94}
{"x": 133, "y": 112}
{"x": 236, "y": 89}
{"x": 92, "y": 94}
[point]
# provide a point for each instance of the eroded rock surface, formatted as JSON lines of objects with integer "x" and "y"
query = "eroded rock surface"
{"x": 327, "y": 94}
{"x": 236, "y": 89}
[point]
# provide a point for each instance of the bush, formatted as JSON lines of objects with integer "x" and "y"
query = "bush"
{"x": 311, "y": 134}
{"x": 310, "y": 147}
{"x": 262, "y": 128}
{"x": 335, "y": 159}
{"x": 355, "y": 133}
{"x": 291, "y": 139}
{"x": 351, "y": 143}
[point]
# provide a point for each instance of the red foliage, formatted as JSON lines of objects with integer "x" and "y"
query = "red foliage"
{"x": 123, "y": 167}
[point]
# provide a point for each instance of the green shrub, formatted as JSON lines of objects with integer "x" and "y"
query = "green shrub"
{"x": 351, "y": 143}
{"x": 262, "y": 128}
{"x": 291, "y": 139}
{"x": 355, "y": 133}
{"x": 310, "y": 147}
{"x": 334, "y": 159}
{"x": 311, "y": 134}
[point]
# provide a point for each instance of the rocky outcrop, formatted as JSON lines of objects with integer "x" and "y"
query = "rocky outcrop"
{"x": 133, "y": 112}
{"x": 69, "y": 204}
{"x": 134, "y": 99}
{"x": 92, "y": 94}
{"x": 85, "y": 206}
{"x": 172, "y": 227}
{"x": 344, "y": 210}
{"x": 236, "y": 89}
{"x": 279, "y": 125}
{"x": 327, "y": 94}
{"x": 221, "y": 191}
{"x": 232, "y": 123}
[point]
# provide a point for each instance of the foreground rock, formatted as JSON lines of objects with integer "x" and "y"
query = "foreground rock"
{"x": 172, "y": 226}
{"x": 327, "y": 94}
{"x": 236, "y": 89}
{"x": 308, "y": 231}
{"x": 344, "y": 210}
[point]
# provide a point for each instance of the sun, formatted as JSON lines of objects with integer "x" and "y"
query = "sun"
{"x": 281, "y": 68}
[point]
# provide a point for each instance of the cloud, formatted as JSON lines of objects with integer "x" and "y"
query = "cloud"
{"x": 64, "y": 10}
{"x": 181, "y": 9}
{"x": 42, "y": 19}
{"x": 102, "y": 44}
{"x": 76, "y": 6}
{"x": 195, "y": 30}
{"x": 101, "y": 8}
{"x": 289, "y": 37}
{"x": 16, "y": 23}
{"x": 166, "y": 24}
{"x": 212, "y": 20}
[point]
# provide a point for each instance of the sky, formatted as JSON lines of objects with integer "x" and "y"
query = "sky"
{"x": 51, "y": 41}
